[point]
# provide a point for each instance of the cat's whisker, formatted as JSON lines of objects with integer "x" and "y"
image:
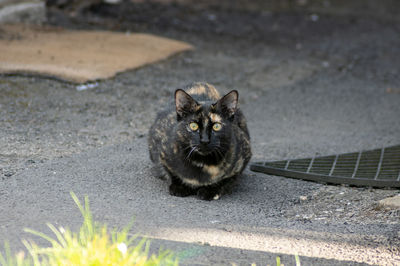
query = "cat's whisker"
{"x": 222, "y": 142}
{"x": 216, "y": 154}
{"x": 190, "y": 153}
{"x": 188, "y": 147}
{"x": 219, "y": 152}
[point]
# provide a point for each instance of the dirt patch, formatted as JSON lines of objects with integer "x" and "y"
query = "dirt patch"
{"x": 80, "y": 56}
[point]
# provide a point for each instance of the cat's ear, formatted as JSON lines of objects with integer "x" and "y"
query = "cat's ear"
{"x": 228, "y": 104}
{"x": 184, "y": 103}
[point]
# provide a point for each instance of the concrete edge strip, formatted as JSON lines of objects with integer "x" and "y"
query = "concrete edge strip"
{"x": 352, "y": 250}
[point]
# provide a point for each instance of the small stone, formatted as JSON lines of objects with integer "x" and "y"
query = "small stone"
{"x": 302, "y": 2}
{"x": 303, "y": 198}
{"x": 211, "y": 17}
{"x": 314, "y": 17}
{"x": 23, "y": 12}
{"x": 325, "y": 64}
{"x": 392, "y": 202}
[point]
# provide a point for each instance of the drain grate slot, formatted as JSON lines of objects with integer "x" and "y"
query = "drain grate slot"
{"x": 346, "y": 165}
{"x": 368, "y": 164}
{"x": 299, "y": 165}
{"x": 378, "y": 168}
{"x": 323, "y": 165}
{"x": 390, "y": 167}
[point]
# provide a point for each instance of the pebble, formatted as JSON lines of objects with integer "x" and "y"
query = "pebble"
{"x": 8, "y": 174}
{"x": 392, "y": 202}
{"x": 303, "y": 198}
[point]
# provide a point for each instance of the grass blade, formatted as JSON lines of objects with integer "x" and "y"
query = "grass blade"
{"x": 42, "y": 235}
{"x": 297, "y": 258}
{"x": 59, "y": 236}
{"x": 278, "y": 261}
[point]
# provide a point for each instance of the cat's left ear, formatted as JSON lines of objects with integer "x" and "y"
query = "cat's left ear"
{"x": 228, "y": 103}
{"x": 184, "y": 103}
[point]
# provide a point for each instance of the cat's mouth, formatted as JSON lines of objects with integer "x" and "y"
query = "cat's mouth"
{"x": 203, "y": 151}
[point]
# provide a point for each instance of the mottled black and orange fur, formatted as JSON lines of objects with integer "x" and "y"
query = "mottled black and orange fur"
{"x": 203, "y": 162}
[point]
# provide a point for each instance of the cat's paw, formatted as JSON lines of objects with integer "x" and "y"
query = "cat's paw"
{"x": 208, "y": 194}
{"x": 158, "y": 172}
{"x": 180, "y": 190}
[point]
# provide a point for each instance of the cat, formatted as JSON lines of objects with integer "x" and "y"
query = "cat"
{"x": 201, "y": 141}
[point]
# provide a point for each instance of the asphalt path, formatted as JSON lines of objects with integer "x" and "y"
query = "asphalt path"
{"x": 255, "y": 218}
{"x": 120, "y": 187}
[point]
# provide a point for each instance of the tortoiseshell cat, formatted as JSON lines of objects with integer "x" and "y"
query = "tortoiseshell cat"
{"x": 202, "y": 142}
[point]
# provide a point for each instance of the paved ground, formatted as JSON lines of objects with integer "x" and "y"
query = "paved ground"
{"x": 308, "y": 85}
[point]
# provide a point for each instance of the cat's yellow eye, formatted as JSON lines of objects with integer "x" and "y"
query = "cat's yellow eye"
{"x": 217, "y": 126}
{"x": 193, "y": 126}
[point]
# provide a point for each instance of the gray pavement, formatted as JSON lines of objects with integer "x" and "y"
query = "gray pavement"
{"x": 307, "y": 88}
{"x": 118, "y": 182}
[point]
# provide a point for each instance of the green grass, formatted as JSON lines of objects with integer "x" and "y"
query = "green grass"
{"x": 93, "y": 245}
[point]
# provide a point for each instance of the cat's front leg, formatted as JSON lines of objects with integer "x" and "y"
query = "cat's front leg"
{"x": 178, "y": 189}
{"x": 214, "y": 192}
{"x": 209, "y": 193}
{"x": 159, "y": 172}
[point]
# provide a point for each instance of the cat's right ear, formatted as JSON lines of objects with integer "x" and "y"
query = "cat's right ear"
{"x": 228, "y": 103}
{"x": 184, "y": 103}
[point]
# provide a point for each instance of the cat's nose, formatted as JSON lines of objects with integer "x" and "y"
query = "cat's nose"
{"x": 204, "y": 138}
{"x": 204, "y": 141}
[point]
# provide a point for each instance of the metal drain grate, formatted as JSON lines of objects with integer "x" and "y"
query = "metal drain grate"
{"x": 376, "y": 168}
